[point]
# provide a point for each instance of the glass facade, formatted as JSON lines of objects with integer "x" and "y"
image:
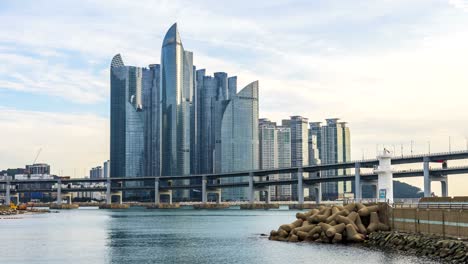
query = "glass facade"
{"x": 177, "y": 88}
{"x": 239, "y": 138}
{"x": 127, "y": 120}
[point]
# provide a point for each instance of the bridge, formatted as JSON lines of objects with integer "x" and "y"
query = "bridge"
{"x": 255, "y": 180}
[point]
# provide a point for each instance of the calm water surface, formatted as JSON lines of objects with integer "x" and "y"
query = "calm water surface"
{"x": 167, "y": 236}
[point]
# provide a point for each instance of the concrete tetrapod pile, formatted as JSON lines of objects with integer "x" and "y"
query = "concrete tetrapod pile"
{"x": 332, "y": 224}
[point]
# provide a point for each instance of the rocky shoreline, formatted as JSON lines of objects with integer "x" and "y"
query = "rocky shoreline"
{"x": 421, "y": 245}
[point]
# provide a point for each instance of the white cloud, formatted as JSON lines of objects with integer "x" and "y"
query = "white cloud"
{"x": 71, "y": 143}
{"x": 396, "y": 72}
{"x": 461, "y": 4}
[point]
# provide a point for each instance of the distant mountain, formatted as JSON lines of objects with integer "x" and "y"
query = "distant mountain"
{"x": 400, "y": 190}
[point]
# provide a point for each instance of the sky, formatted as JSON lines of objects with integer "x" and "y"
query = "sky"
{"x": 395, "y": 70}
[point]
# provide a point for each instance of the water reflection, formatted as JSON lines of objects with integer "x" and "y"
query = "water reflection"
{"x": 172, "y": 236}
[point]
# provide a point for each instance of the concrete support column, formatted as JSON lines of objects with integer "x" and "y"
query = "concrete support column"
{"x": 251, "y": 188}
{"x": 7, "y": 193}
{"x": 357, "y": 181}
{"x": 444, "y": 186}
{"x": 108, "y": 191}
{"x": 300, "y": 189}
{"x": 318, "y": 193}
{"x": 427, "y": 178}
{"x": 268, "y": 196}
{"x": 444, "y": 183}
{"x": 156, "y": 191}
{"x": 204, "y": 194}
{"x": 219, "y": 197}
{"x": 59, "y": 191}
{"x": 120, "y": 197}
{"x": 170, "y": 197}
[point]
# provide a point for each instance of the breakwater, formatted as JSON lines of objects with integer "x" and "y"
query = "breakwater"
{"x": 334, "y": 224}
{"x": 431, "y": 246}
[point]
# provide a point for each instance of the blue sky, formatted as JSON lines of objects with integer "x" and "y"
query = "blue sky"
{"x": 396, "y": 70}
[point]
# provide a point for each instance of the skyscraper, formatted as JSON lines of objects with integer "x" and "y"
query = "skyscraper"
{"x": 299, "y": 147}
{"x": 168, "y": 119}
{"x": 239, "y": 138}
{"x": 275, "y": 152}
{"x": 127, "y": 120}
{"x": 213, "y": 94}
{"x": 177, "y": 94}
{"x": 268, "y": 149}
{"x": 151, "y": 109}
{"x": 284, "y": 192}
{"x": 334, "y": 146}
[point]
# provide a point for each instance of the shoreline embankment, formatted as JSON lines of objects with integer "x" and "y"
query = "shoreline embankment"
{"x": 368, "y": 224}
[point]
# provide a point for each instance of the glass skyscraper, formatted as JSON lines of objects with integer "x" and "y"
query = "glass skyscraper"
{"x": 127, "y": 120}
{"x": 177, "y": 95}
{"x": 239, "y": 138}
{"x": 168, "y": 119}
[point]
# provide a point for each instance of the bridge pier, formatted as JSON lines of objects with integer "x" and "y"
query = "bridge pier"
{"x": 156, "y": 191}
{"x": 168, "y": 193}
{"x": 444, "y": 182}
{"x": 427, "y": 177}
{"x": 357, "y": 181}
{"x": 318, "y": 193}
{"x": 59, "y": 191}
{"x": 251, "y": 189}
{"x": 300, "y": 187}
{"x": 69, "y": 196}
{"x": 7, "y": 192}
{"x": 204, "y": 193}
{"x": 108, "y": 191}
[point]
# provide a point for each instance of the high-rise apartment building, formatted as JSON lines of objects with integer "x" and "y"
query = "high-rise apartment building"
{"x": 334, "y": 145}
{"x": 275, "y": 152}
{"x": 106, "y": 169}
{"x": 299, "y": 147}
{"x": 38, "y": 168}
{"x": 96, "y": 173}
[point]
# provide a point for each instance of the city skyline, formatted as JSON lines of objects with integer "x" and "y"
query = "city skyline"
{"x": 401, "y": 117}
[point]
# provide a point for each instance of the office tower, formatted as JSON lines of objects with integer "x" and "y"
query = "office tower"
{"x": 299, "y": 148}
{"x": 239, "y": 138}
{"x": 176, "y": 103}
{"x": 334, "y": 146}
{"x": 126, "y": 120}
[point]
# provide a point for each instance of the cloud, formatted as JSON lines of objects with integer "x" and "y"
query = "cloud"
{"x": 396, "y": 72}
{"x": 461, "y": 4}
{"x": 71, "y": 143}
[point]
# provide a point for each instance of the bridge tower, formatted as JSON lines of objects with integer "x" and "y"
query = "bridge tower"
{"x": 385, "y": 176}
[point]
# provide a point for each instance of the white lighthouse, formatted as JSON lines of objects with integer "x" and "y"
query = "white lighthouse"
{"x": 385, "y": 180}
